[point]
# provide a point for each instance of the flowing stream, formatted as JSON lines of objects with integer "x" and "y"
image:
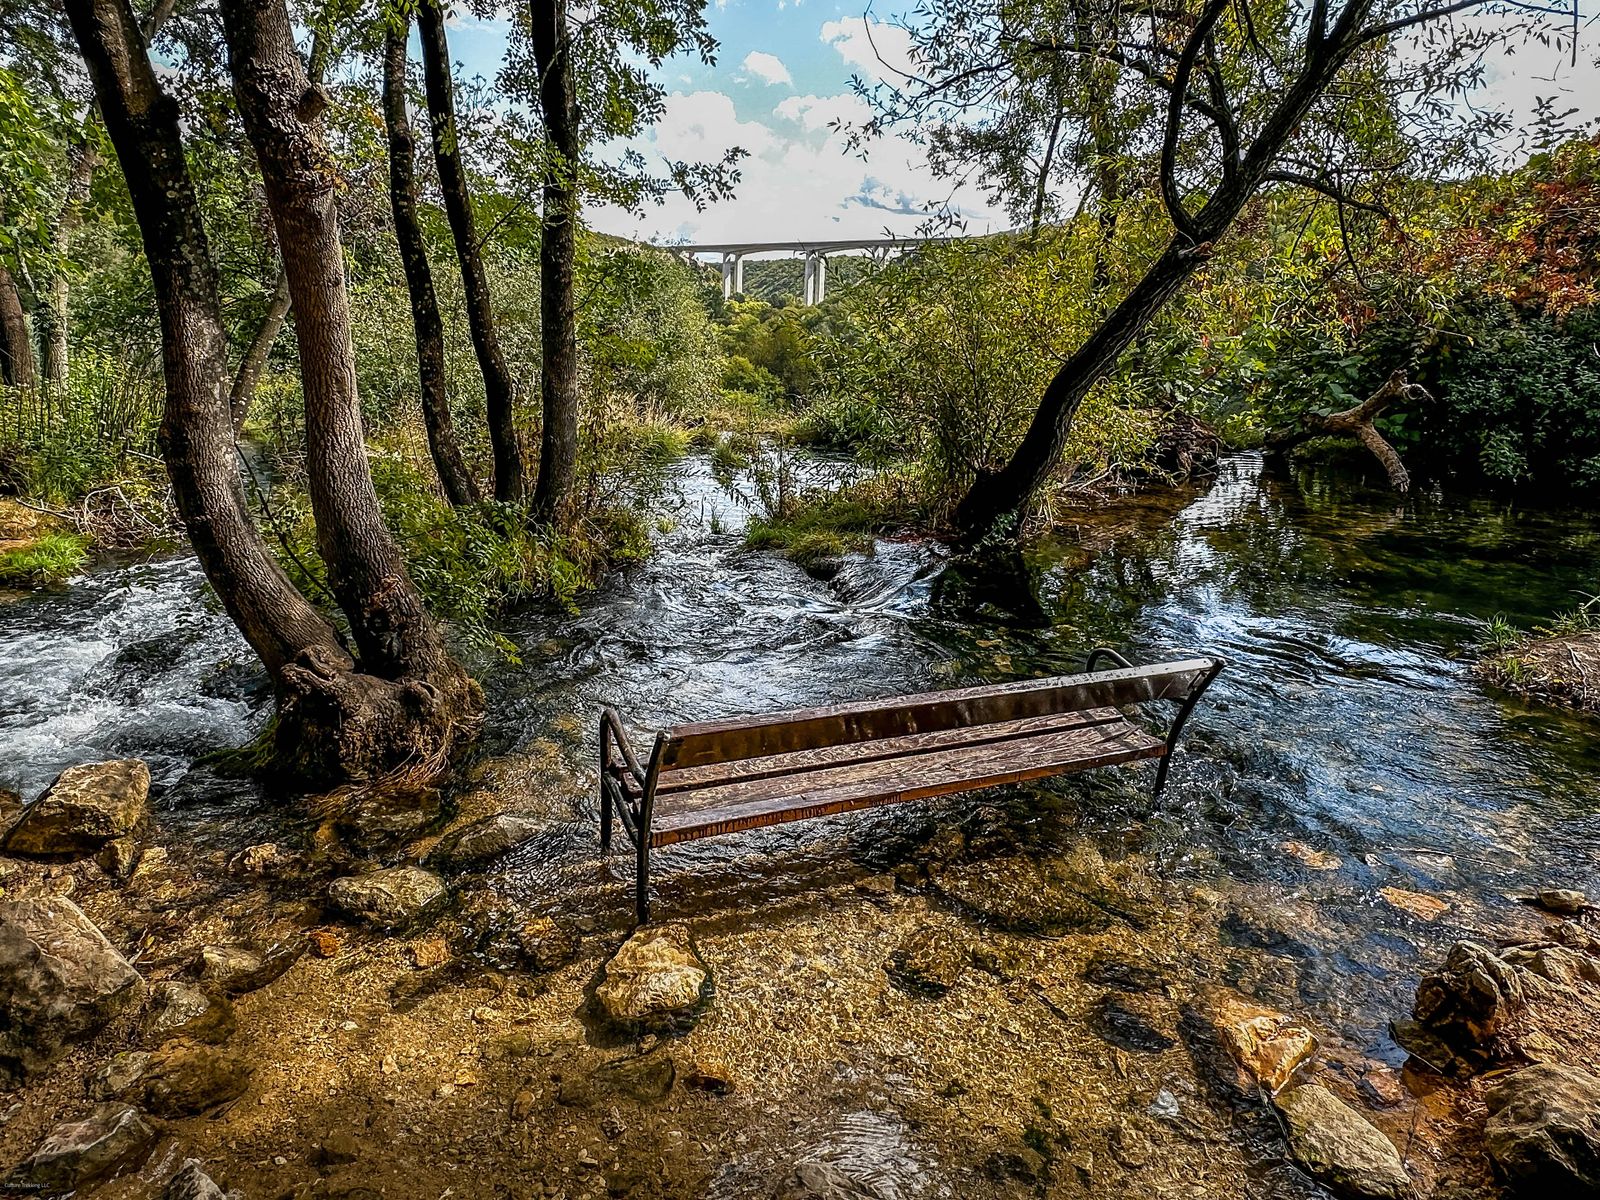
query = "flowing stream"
{"x": 1348, "y": 721}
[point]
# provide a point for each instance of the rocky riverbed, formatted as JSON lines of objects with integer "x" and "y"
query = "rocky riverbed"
{"x": 995, "y": 1007}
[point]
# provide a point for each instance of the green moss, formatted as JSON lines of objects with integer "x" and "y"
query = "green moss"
{"x": 823, "y": 525}
{"x": 52, "y": 558}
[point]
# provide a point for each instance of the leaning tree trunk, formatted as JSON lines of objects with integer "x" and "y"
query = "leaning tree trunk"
{"x": 412, "y": 700}
{"x": 454, "y": 478}
{"x": 254, "y": 362}
{"x": 498, "y": 389}
{"x": 83, "y": 159}
{"x": 16, "y": 345}
{"x": 196, "y": 433}
{"x": 558, "y": 250}
{"x": 1359, "y": 423}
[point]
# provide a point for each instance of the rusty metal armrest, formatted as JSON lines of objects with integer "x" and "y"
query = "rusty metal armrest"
{"x": 1185, "y": 707}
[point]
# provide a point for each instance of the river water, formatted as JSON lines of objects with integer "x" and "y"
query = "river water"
{"x": 1347, "y": 723}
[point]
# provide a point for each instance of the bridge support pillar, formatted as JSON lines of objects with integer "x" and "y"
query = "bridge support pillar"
{"x": 816, "y": 281}
{"x": 738, "y": 274}
{"x": 727, "y": 276}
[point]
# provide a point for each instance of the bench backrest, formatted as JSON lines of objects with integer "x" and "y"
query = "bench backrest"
{"x": 734, "y": 738}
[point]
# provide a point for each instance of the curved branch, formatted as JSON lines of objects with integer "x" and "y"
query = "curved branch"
{"x": 1170, "y": 197}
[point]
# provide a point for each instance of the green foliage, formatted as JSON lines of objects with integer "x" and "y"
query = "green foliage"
{"x": 51, "y": 558}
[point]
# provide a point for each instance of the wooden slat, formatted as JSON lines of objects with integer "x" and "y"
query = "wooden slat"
{"x": 900, "y": 716}
{"x": 683, "y": 779}
{"x": 754, "y": 803}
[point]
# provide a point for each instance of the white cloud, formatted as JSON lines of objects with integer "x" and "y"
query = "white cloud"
{"x": 701, "y": 126}
{"x": 819, "y": 112}
{"x": 877, "y": 50}
{"x": 766, "y": 67}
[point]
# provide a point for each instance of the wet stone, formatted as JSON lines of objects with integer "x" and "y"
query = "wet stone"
{"x": 1543, "y": 1132}
{"x": 1267, "y": 1045}
{"x": 192, "y": 1183}
{"x": 183, "y": 1010}
{"x": 388, "y": 817}
{"x": 390, "y": 898}
{"x": 656, "y": 980}
{"x": 111, "y": 1138}
{"x": 239, "y": 969}
{"x": 485, "y": 840}
{"x": 1339, "y": 1147}
{"x": 118, "y": 1078}
{"x": 86, "y": 807}
{"x": 928, "y": 962}
{"x": 60, "y": 980}
{"x": 265, "y": 860}
{"x": 118, "y": 857}
{"x": 10, "y": 808}
{"x": 642, "y": 1078}
{"x": 1462, "y": 1011}
{"x": 182, "y": 1079}
{"x": 1564, "y": 902}
{"x": 1138, "y": 1023}
{"x": 544, "y": 945}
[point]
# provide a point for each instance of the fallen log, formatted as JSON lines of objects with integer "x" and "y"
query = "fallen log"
{"x": 1357, "y": 422}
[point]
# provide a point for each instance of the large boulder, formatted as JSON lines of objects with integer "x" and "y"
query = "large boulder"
{"x": 478, "y": 843}
{"x": 182, "y": 1079}
{"x": 60, "y": 979}
{"x": 1543, "y": 1131}
{"x": 1463, "y": 1011}
{"x": 657, "y": 979}
{"x": 86, "y": 807}
{"x": 111, "y": 1137}
{"x": 390, "y": 898}
{"x": 1339, "y": 1147}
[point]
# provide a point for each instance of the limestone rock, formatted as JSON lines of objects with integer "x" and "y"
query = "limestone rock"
{"x": 183, "y": 1010}
{"x": 544, "y": 945}
{"x": 1543, "y": 1131}
{"x": 655, "y": 980}
{"x": 1563, "y": 902}
{"x": 391, "y": 897}
{"x": 1266, "y": 1044}
{"x": 476, "y": 844}
{"x": 111, "y": 1137}
{"x": 265, "y": 860}
{"x": 239, "y": 969}
{"x": 182, "y": 1079}
{"x": 86, "y": 807}
{"x": 192, "y": 1183}
{"x": 118, "y": 857}
{"x": 117, "y": 1079}
{"x": 1462, "y": 1010}
{"x": 388, "y": 817}
{"x": 928, "y": 962}
{"x": 60, "y": 979}
{"x": 1339, "y": 1147}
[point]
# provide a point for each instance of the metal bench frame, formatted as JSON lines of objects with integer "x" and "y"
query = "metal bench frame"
{"x": 628, "y": 788}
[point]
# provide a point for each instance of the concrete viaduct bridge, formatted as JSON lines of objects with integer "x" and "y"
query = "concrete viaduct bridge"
{"x": 815, "y": 253}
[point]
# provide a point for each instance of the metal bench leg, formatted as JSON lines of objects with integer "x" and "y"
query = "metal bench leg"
{"x": 1187, "y": 707}
{"x": 641, "y": 887}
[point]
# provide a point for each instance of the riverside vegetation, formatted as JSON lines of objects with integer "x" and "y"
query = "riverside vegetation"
{"x": 313, "y": 347}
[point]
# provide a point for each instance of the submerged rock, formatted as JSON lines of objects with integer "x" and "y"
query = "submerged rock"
{"x": 1267, "y": 1045}
{"x": 239, "y": 969}
{"x": 1339, "y": 1147}
{"x": 1142, "y": 1024}
{"x": 657, "y": 979}
{"x": 1462, "y": 1011}
{"x": 386, "y": 817}
{"x": 390, "y": 898}
{"x": 60, "y": 980}
{"x": 1564, "y": 902}
{"x": 1543, "y": 1132}
{"x": 928, "y": 962}
{"x": 1054, "y": 896}
{"x": 641, "y": 1078}
{"x": 117, "y": 1079}
{"x": 181, "y": 1079}
{"x": 86, "y": 807}
{"x": 265, "y": 860}
{"x": 478, "y": 843}
{"x": 545, "y": 945}
{"x": 111, "y": 1137}
{"x": 183, "y": 1010}
{"x": 192, "y": 1183}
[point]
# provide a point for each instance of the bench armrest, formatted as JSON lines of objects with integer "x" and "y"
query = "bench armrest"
{"x": 611, "y": 729}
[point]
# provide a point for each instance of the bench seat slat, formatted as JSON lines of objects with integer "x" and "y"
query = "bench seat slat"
{"x": 695, "y": 779}
{"x": 771, "y": 800}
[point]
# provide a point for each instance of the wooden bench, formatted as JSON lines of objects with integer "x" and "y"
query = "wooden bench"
{"x": 716, "y": 777}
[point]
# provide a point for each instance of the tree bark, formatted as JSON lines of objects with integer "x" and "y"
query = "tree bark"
{"x": 196, "y": 433}
{"x": 16, "y": 343}
{"x": 254, "y": 361}
{"x": 1358, "y": 422}
{"x": 457, "y": 482}
{"x": 83, "y": 158}
{"x": 558, "y": 252}
{"x": 996, "y": 501}
{"x": 498, "y": 388}
{"x": 412, "y": 700}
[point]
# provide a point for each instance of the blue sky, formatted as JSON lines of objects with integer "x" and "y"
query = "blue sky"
{"x": 783, "y": 74}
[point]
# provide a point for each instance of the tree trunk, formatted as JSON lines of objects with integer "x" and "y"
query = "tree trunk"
{"x": 254, "y": 361}
{"x": 196, "y": 433}
{"x": 83, "y": 158}
{"x": 454, "y": 478}
{"x": 16, "y": 344}
{"x": 412, "y": 701}
{"x": 558, "y": 252}
{"x": 499, "y": 391}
